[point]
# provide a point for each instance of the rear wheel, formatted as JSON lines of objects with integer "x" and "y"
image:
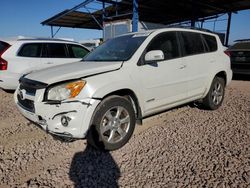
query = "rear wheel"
{"x": 113, "y": 124}
{"x": 215, "y": 96}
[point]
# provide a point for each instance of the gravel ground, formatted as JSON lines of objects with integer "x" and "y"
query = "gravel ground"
{"x": 183, "y": 147}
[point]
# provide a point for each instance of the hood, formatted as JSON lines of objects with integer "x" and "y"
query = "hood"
{"x": 72, "y": 71}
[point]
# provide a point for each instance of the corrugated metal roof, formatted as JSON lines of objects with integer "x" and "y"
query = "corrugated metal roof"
{"x": 73, "y": 19}
{"x": 155, "y": 11}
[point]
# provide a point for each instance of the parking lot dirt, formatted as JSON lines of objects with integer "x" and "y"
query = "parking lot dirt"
{"x": 183, "y": 147}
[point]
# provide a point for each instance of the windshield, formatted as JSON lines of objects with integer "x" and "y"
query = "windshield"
{"x": 118, "y": 49}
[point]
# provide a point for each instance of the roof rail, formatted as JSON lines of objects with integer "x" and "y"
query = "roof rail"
{"x": 49, "y": 39}
{"x": 194, "y": 28}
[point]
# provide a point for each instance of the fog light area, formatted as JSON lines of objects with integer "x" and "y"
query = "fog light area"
{"x": 65, "y": 121}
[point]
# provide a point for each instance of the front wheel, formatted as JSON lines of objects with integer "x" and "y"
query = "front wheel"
{"x": 215, "y": 96}
{"x": 113, "y": 123}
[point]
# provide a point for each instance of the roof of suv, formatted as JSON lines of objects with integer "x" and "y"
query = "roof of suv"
{"x": 148, "y": 32}
{"x": 11, "y": 41}
{"x": 47, "y": 40}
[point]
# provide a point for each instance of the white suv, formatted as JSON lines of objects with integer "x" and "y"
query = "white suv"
{"x": 123, "y": 81}
{"x": 26, "y": 55}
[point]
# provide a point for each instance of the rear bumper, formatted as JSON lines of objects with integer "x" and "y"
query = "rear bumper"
{"x": 241, "y": 71}
{"x": 241, "y": 68}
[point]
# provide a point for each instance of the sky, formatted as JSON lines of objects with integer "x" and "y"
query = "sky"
{"x": 23, "y": 18}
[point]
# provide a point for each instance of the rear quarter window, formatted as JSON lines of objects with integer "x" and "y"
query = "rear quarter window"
{"x": 30, "y": 50}
{"x": 3, "y": 46}
{"x": 211, "y": 42}
{"x": 192, "y": 43}
{"x": 76, "y": 51}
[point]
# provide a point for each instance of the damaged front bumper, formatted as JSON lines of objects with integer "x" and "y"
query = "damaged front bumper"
{"x": 69, "y": 119}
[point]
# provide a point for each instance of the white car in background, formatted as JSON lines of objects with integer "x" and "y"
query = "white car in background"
{"x": 31, "y": 54}
{"x": 123, "y": 81}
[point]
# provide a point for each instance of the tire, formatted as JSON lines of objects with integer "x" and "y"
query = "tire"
{"x": 113, "y": 124}
{"x": 215, "y": 96}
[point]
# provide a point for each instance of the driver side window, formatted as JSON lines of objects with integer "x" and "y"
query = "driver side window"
{"x": 167, "y": 43}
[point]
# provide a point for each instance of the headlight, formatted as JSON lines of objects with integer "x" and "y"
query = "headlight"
{"x": 66, "y": 90}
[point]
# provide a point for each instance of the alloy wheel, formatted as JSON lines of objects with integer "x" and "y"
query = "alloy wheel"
{"x": 115, "y": 124}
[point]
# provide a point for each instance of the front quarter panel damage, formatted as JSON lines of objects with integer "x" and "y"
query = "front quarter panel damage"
{"x": 78, "y": 113}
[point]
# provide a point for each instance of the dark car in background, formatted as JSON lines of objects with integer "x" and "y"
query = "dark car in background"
{"x": 240, "y": 57}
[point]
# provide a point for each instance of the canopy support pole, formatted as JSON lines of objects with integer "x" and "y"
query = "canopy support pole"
{"x": 51, "y": 31}
{"x": 135, "y": 18}
{"x": 228, "y": 28}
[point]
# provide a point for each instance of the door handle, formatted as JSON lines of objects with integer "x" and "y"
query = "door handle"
{"x": 183, "y": 66}
{"x": 49, "y": 63}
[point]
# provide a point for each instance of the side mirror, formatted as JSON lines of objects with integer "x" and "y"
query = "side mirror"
{"x": 154, "y": 55}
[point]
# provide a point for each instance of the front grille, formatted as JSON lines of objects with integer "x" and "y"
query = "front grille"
{"x": 29, "y": 90}
{"x": 26, "y": 104}
{"x": 26, "y": 89}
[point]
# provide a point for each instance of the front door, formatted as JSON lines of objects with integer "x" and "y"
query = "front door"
{"x": 164, "y": 82}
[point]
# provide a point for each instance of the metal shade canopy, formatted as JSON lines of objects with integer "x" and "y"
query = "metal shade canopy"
{"x": 155, "y": 11}
{"x": 74, "y": 19}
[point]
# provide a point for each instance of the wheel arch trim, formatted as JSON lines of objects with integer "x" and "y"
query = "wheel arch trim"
{"x": 122, "y": 91}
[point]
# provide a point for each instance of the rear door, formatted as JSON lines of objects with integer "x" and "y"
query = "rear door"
{"x": 198, "y": 62}
{"x": 54, "y": 54}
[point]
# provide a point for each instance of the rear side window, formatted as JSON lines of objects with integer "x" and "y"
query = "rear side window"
{"x": 192, "y": 43}
{"x": 30, "y": 50}
{"x": 167, "y": 43}
{"x": 56, "y": 50}
{"x": 76, "y": 51}
{"x": 3, "y": 46}
{"x": 211, "y": 43}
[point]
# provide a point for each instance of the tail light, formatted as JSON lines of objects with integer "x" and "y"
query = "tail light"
{"x": 227, "y": 52}
{"x": 3, "y": 62}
